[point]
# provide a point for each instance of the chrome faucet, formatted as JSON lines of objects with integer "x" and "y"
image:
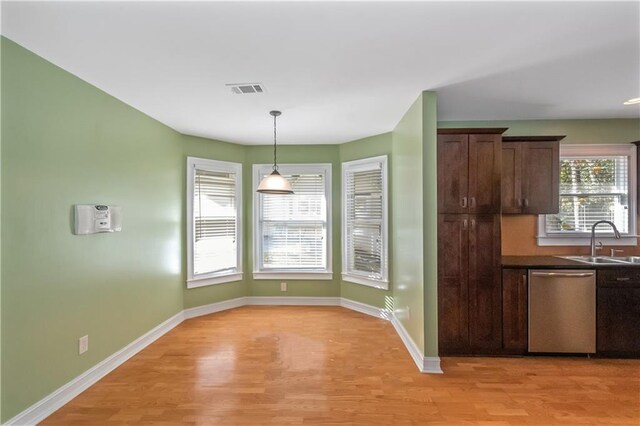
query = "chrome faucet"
{"x": 593, "y": 234}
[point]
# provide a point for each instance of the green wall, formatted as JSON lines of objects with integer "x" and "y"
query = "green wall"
{"x": 430, "y": 220}
{"x": 619, "y": 130}
{"x": 406, "y": 200}
{"x": 0, "y": 235}
{"x": 364, "y": 148}
{"x": 65, "y": 142}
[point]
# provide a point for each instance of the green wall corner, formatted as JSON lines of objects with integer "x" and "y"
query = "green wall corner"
{"x": 430, "y": 221}
{"x": 406, "y": 201}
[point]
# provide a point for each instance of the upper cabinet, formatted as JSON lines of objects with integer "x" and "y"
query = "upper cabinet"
{"x": 531, "y": 174}
{"x": 470, "y": 178}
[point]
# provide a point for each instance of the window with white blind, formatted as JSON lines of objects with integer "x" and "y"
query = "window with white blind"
{"x": 597, "y": 182}
{"x": 364, "y": 222}
{"x": 214, "y": 206}
{"x": 292, "y": 233}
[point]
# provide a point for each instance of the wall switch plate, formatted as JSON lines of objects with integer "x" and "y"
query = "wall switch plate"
{"x": 283, "y": 286}
{"x": 83, "y": 344}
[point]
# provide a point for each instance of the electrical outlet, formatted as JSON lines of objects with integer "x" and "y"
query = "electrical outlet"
{"x": 83, "y": 344}
{"x": 283, "y": 286}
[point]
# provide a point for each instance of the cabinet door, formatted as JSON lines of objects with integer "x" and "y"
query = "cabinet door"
{"x": 514, "y": 311}
{"x": 485, "y": 152}
{"x": 453, "y": 173}
{"x": 618, "y": 320}
{"x": 541, "y": 177}
{"x": 511, "y": 177}
{"x": 453, "y": 292}
{"x": 485, "y": 290}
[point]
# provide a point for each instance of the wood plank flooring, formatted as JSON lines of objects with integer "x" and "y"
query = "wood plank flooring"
{"x": 332, "y": 366}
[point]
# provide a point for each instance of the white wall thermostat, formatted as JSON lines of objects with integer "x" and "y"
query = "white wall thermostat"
{"x": 94, "y": 218}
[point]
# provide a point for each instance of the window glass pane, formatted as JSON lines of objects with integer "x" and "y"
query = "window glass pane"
{"x": 366, "y": 248}
{"x": 592, "y": 189}
{"x": 287, "y": 245}
{"x": 306, "y": 203}
{"x": 214, "y": 217}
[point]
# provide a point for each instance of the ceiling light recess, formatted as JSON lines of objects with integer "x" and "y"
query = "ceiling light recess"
{"x": 632, "y": 101}
{"x": 246, "y": 88}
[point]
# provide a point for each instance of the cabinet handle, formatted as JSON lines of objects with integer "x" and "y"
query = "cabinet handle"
{"x": 464, "y": 202}
{"x": 562, "y": 274}
{"x": 519, "y": 202}
{"x": 473, "y": 224}
{"x": 472, "y": 204}
{"x": 622, "y": 279}
{"x": 464, "y": 224}
{"x": 526, "y": 202}
{"x": 524, "y": 279}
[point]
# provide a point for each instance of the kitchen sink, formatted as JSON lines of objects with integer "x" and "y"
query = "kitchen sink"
{"x": 603, "y": 260}
{"x": 629, "y": 259}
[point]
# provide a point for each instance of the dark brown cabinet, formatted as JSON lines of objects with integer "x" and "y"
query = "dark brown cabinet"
{"x": 530, "y": 174}
{"x": 469, "y": 291}
{"x": 618, "y": 312}
{"x": 514, "y": 311}
{"x": 469, "y": 170}
{"x": 453, "y": 283}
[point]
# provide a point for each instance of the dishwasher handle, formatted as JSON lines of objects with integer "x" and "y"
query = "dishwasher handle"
{"x": 562, "y": 274}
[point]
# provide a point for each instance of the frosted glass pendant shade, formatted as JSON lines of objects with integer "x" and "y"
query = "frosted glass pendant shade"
{"x": 274, "y": 184}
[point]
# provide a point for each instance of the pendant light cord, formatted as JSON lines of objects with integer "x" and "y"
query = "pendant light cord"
{"x": 275, "y": 164}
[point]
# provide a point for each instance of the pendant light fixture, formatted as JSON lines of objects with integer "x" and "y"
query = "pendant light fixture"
{"x": 274, "y": 183}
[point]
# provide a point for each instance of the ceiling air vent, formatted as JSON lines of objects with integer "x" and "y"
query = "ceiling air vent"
{"x": 246, "y": 88}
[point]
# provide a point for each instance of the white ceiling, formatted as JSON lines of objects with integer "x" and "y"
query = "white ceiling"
{"x": 341, "y": 71}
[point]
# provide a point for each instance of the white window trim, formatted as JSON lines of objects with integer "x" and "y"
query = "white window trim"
{"x": 350, "y": 276}
{"x": 584, "y": 238}
{"x": 220, "y": 277}
{"x": 322, "y": 274}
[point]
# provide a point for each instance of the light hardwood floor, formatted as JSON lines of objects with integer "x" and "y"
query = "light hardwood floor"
{"x": 329, "y": 365}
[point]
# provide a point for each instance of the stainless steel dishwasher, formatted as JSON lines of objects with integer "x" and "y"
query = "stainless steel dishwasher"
{"x": 562, "y": 311}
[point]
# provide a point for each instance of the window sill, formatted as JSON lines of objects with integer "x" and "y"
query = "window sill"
{"x": 569, "y": 240}
{"x": 280, "y": 275}
{"x": 379, "y": 284}
{"x": 220, "y": 279}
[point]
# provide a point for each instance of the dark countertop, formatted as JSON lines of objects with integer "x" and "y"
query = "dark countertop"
{"x": 553, "y": 262}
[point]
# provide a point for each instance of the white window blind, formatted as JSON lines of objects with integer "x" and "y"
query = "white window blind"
{"x": 292, "y": 229}
{"x": 214, "y": 243}
{"x": 365, "y": 221}
{"x": 597, "y": 182}
{"x": 214, "y": 215}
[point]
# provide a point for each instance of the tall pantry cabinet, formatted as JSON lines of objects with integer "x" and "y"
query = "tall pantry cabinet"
{"x": 469, "y": 279}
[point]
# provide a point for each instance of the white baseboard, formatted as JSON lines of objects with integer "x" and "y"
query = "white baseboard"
{"x": 49, "y": 404}
{"x": 432, "y": 365}
{"x": 365, "y": 309}
{"x": 52, "y": 402}
{"x": 425, "y": 364}
{"x": 214, "y": 307}
{"x": 293, "y": 301}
